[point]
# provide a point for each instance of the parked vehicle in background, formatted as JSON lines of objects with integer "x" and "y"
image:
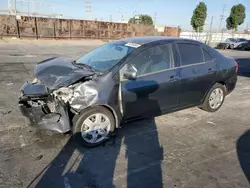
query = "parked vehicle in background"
{"x": 244, "y": 46}
{"x": 125, "y": 80}
{"x": 231, "y": 43}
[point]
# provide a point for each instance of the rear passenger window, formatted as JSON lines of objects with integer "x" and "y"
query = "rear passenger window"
{"x": 207, "y": 56}
{"x": 190, "y": 53}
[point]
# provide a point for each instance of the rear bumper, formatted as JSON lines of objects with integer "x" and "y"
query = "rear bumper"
{"x": 58, "y": 121}
{"x": 231, "y": 83}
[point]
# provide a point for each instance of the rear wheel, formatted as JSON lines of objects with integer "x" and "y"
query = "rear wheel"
{"x": 214, "y": 98}
{"x": 231, "y": 46}
{"x": 93, "y": 126}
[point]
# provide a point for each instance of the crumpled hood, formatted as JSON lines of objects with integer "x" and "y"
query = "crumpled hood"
{"x": 59, "y": 72}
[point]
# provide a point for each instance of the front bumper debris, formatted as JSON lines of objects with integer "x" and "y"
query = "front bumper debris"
{"x": 40, "y": 116}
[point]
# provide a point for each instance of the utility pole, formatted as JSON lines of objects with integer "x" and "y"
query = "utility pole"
{"x": 138, "y": 8}
{"x": 155, "y": 18}
{"x": 222, "y": 16}
{"x": 110, "y": 18}
{"x": 247, "y": 10}
{"x": 16, "y": 8}
{"x": 88, "y": 9}
{"x": 12, "y": 7}
{"x": 210, "y": 30}
{"x": 120, "y": 14}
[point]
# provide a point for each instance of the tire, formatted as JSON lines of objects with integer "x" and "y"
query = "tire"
{"x": 207, "y": 106}
{"x": 231, "y": 46}
{"x": 79, "y": 125}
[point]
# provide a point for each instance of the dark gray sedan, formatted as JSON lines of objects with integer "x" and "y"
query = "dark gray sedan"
{"x": 125, "y": 80}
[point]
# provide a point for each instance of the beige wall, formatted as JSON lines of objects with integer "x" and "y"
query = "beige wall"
{"x": 65, "y": 28}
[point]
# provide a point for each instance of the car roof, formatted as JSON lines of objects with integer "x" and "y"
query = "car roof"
{"x": 150, "y": 39}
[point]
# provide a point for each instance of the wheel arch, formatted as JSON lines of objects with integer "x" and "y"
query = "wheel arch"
{"x": 112, "y": 112}
{"x": 218, "y": 82}
{"x": 109, "y": 108}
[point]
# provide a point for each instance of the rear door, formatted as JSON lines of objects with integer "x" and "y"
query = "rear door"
{"x": 198, "y": 70}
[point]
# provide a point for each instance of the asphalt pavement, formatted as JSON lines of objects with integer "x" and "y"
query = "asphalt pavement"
{"x": 189, "y": 148}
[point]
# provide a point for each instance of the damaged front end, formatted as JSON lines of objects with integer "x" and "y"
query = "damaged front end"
{"x": 45, "y": 100}
{"x": 43, "y": 109}
{"x": 61, "y": 87}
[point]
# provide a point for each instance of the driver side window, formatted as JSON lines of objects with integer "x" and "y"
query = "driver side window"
{"x": 152, "y": 60}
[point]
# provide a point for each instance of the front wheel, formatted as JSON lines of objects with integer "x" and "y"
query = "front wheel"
{"x": 214, "y": 98}
{"x": 93, "y": 126}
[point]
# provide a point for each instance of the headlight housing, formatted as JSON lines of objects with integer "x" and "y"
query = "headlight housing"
{"x": 64, "y": 93}
{"x": 34, "y": 81}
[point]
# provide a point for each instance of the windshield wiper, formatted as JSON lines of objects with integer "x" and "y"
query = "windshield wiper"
{"x": 81, "y": 65}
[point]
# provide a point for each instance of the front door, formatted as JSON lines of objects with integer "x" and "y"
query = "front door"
{"x": 157, "y": 85}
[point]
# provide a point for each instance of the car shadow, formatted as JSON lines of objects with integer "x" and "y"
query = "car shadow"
{"x": 243, "y": 152}
{"x": 131, "y": 158}
{"x": 244, "y": 66}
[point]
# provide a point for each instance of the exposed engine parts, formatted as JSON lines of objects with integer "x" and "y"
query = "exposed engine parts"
{"x": 64, "y": 93}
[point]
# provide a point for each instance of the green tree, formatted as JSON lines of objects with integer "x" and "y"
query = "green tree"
{"x": 236, "y": 17}
{"x": 142, "y": 19}
{"x": 199, "y": 17}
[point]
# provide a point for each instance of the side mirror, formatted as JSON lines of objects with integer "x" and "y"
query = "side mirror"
{"x": 131, "y": 73}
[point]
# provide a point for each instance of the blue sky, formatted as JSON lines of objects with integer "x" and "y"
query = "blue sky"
{"x": 168, "y": 12}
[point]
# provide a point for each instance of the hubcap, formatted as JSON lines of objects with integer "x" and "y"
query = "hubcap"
{"x": 216, "y": 98}
{"x": 95, "y": 128}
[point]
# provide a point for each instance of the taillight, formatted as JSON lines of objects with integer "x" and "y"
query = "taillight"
{"x": 236, "y": 66}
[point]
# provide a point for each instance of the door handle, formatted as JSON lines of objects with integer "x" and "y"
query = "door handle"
{"x": 210, "y": 71}
{"x": 173, "y": 78}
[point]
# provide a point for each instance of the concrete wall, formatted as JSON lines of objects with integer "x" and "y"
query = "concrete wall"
{"x": 65, "y": 28}
{"x": 215, "y": 37}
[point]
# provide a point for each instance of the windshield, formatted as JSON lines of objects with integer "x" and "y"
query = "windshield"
{"x": 106, "y": 56}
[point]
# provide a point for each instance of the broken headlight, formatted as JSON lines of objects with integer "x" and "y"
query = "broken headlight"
{"x": 34, "y": 81}
{"x": 64, "y": 93}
